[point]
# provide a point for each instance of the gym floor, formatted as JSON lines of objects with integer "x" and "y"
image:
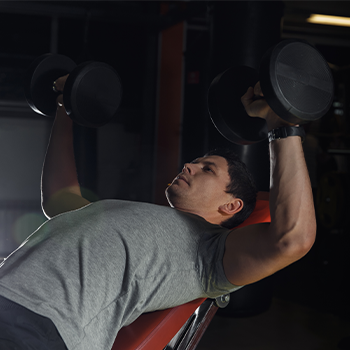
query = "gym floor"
{"x": 310, "y": 308}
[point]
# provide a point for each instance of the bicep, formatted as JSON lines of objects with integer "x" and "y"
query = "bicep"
{"x": 251, "y": 255}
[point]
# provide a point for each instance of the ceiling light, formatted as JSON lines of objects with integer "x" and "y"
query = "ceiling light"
{"x": 329, "y": 20}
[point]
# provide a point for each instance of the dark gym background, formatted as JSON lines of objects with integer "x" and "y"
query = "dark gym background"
{"x": 167, "y": 53}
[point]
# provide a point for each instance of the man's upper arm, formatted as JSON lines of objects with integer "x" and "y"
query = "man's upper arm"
{"x": 251, "y": 254}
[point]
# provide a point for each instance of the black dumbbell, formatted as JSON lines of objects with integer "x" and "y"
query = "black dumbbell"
{"x": 91, "y": 95}
{"x": 295, "y": 79}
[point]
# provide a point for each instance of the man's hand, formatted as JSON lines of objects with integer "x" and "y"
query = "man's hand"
{"x": 256, "y": 106}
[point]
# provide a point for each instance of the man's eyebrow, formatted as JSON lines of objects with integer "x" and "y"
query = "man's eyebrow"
{"x": 205, "y": 162}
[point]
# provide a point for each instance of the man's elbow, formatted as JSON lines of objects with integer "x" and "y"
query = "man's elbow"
{"x": 46, "y": 211}
{"x": 48, "y": 208}
{"x": 302, "y": 247}
{"x": 44, "y": 206}
{"x": 298, "y": 242}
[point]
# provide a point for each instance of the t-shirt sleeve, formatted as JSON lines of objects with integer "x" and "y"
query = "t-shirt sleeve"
{"x": 214, "y": 280}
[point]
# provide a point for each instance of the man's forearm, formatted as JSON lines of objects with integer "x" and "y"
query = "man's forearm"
{"x": 293, "y": 221}
{"x": 59, "y": 170}
{"x": 291, "y": 202}
{"x": 257, "y": 251}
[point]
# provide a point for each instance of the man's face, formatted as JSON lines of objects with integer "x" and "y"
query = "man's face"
{"x": 200, "y": 187}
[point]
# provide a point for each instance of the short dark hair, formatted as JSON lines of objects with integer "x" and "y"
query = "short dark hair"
{"x": 242, "y": 185}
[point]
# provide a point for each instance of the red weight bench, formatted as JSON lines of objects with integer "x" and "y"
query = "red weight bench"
{"x": 181, "y": 327}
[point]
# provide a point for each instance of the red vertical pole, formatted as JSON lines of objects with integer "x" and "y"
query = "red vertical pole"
{"x": 169, "y": 107}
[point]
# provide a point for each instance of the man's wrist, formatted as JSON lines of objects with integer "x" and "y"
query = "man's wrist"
{"x": 286, "y": 131}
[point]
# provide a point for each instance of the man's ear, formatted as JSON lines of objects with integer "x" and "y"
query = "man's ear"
{"x": 232, "y": 207}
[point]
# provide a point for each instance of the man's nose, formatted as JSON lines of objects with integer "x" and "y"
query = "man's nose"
{"x": 189, "y": 168}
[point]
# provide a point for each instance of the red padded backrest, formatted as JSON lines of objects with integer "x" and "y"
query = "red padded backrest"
{"x": 261, "y": 213}
{"x": 153, "y": 331}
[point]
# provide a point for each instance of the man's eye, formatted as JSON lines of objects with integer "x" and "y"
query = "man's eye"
{"x": 206, "y": 168}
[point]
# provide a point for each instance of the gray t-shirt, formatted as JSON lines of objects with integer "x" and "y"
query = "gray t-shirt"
{"x": 96, "y": 269}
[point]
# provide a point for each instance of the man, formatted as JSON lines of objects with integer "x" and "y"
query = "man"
{"x": 94, "y": 268}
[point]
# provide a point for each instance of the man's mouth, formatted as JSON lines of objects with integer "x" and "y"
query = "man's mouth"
{"x": 181, "y": 177}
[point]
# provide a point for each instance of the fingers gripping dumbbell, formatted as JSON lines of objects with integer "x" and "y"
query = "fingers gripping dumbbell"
{"x": 92, "y": 92}
{"x": 58, "y": 84}
{"x": 296, "y": 82}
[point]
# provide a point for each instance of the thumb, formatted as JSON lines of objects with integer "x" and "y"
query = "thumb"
{"x": 247, "y": 98}
{"x": 257, "y": 89}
